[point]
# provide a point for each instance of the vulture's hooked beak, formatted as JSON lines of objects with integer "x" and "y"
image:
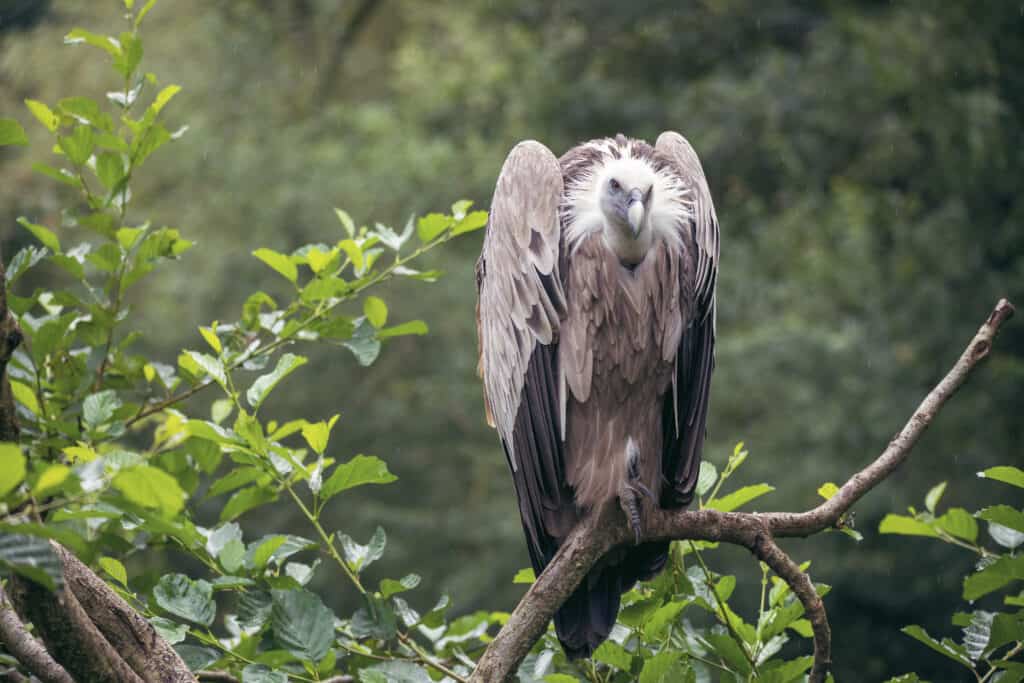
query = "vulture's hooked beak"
{"x": 635, "y": 211}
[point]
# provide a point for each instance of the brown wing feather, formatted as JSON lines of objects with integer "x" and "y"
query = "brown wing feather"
{"x": 519, "y": 311}
{"x": 685, "y": 411}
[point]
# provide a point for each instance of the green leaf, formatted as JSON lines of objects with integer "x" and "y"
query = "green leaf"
{"x": 105, "y": 43}
{"x": 279, "y": 262}
{"x": 264, "y": 384}
{"x": 346, "y": 222}
{"x": 12, "y": 467}
{"x": 210, "y": 335}
{"x": 115, "y": 569}
{"x": 99, "y": 408}
{"x": 362, "y": 469}
{"x": 946, "y": 648}
{"x": 171, "y": 631}
{"x": 360, "y": 557}
{"x": 163, "y": 97}
{"x": 663, "y": 617}
{"x": 41, "y": 233}
{"x": 317, "y": 434}
{"x": 354, "y": 253}
{"x": 32, "y": 557}
{"x": 394, "y": 672}
{"x": 11, "y": 133}
{"x": 960, "y": 523}
{"x": 127, "y": 237}
{"x": 906, "y": 526}
{"x": 196, "y": 657}
{"x": 1004, "y": 515}
{"x": 977, "y": 634}
{"x": 932, "y": 499}
{"x": 245, "y": 500}
{"x": 706, "y": 478}
{"x": 264, "y": 550}
{"x": 739, "y": 497}
{"x": 43, "y": 113}
{"x": 417, "y": 327}
{"x": 827, "y": 490}
{"x": 302, "y": 624}
{"x": 232, "y": 555}
{"x": 375, "y": 310}
{"x": 471, "y": 222}
{"x": 613, "y": 654}
{"x": 1006, "y": 474}
{"x": 25, "y": 396}
{"x": 52, "y": 478}
{"x": 151, "y": 487}
{"x": 79, "y": 145}
{"x": 211, "y": 366}
{"x": 433, "y": 224}
{"x": 389, "y": 587}
{"x": 524, "y": 576}
{"x": 258, "y": 673}
{"x": 142, "y": 15}
{"x": 1003, "y": 571}
{"x": 662, "y": 667}
{"x": 181, "y": 596}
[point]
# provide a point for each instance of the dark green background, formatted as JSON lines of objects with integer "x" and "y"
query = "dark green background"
{"x": 867, "y": 162}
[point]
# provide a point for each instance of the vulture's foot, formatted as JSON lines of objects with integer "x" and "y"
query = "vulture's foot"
{"x": 632, "y": 489}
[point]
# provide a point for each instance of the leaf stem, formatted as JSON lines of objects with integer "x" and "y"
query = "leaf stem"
{"x": 709, "y": 579}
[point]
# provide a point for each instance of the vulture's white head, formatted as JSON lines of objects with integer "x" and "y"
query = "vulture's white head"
{"x": 630, "y": 201}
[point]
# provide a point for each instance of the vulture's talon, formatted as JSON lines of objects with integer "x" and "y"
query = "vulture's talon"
{"x": 630, "y": 504}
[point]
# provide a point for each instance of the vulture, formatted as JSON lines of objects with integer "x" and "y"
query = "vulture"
{"x": 596, "y": 324}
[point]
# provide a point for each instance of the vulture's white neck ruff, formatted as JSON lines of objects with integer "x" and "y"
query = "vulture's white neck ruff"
{"x": 671, "y": 201}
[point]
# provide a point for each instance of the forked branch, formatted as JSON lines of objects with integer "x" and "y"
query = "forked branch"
{"x": 606, "y": 528}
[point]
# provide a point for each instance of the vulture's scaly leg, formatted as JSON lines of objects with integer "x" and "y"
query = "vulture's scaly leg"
{"x": 632, "y": 489}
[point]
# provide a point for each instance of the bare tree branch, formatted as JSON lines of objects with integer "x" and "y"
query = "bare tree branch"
{"x": 606, "y": 528}
{"x": 26, "y": 649}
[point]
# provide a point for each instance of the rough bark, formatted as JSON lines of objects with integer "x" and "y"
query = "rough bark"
{"x": 26, "y": 649}
{"x": 606, "y": 528}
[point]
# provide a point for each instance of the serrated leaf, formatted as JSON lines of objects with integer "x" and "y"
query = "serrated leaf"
{"x": 99, "y": 408}
{"x": 706, "y": 478}
{"x": 1003, "y": 571}
{"x": 739, "y": 497}
{"x": 657, "y": 625}
{"x": 41, "y": 233}
{"x": 932, "y": 499}
{"x": 827, "y": 490}
{"x": 944, "y": 648}
{"x": 376, "y": 311}
{"x": 977, "y": 634}
{"x": 389, "y": 587}
{"x": 360, "y": 470}
{"x": 171, "y": 631}
{"x": 613, "y": 654}
{"x": 264, "y": 384}
{"x": 359, "y": 556}
{"x": 433, "y": 224}
{"x": 472, "y": 221}
{"x": 960, "y": 523}
{"x": 11, "y": 133}
{"x": 244, "y": 500}
{"x": 276, "y": 549}
{"x": 302, "y": 624}
{"x": 258, "y": 673}
{"x": 279, "y": 262}
{"x": 151, "y": 487}
{"x": 181, "y": 596}
{"x": 196, "y": 657}
{"x": 1006, "y": 474}
{"x": 317, "y": 434}
{"x": 44, "y": 114}
{"x": 662, "y": 667}
{"x": 12, "y": 467}
{"x": 905, "y": 526}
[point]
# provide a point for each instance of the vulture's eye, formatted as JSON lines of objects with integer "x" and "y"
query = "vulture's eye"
{"x": 615, "y": 185}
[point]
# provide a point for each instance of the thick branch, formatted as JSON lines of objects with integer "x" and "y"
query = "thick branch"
{"x": 25, "y": 648}
{"x": 69, "y": 634}
{"x": 606, "y": 528}
{"x": 134, "y": 638}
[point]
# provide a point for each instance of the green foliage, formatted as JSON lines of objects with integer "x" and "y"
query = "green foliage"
{"x": 992, "y": 639}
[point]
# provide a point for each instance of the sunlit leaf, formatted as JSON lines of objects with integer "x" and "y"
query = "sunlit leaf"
{"x": 44, "y": 114}
{"x": 151, "y": 487}
{"x": 24, "y": 395}
{"x": 116, "y": 570}
{"x": 317, "y": 434}
{"x": 12, "y": 467}
{"x": 1006, "y": 474}
{"x": 906, "y": 526}
{"x": 739, "y": 497}
{"x": 279, "y": 262}
{"x": 932, "y": 499}
{"x": 41, "y": 233}
{"x": 827, "y": 490}
{"x": 525, "y": 575}
{"x": 52, "y": 478}
{"x": 389, "y": 587}
{"x": 11, "y": 133}
{"x": 362, "y": 469}
{"x": 376, "y": 311}
{"x": 417, "y": 327}
{"x": 264, "y": 384}
{"x": 433, "y": 224}
{"x": 706, "y": 478}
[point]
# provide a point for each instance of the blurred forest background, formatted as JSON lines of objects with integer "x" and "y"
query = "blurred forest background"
{"x": 866, "y": 159}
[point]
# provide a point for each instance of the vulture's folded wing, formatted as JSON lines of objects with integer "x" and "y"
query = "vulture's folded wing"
{"x": 686, "y": 408}
{"x": 520, "y": 307}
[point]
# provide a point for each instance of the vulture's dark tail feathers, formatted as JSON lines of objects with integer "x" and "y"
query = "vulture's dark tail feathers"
{"x": 587, "y": 617}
